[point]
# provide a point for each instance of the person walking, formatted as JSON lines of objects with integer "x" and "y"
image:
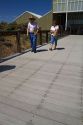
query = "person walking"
{"x": 54, "y": 33}
{"x": 32, "y": 30}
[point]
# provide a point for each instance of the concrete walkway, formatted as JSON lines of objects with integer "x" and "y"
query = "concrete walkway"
{"x": 45, "y": 88}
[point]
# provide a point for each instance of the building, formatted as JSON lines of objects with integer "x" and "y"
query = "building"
{"x": 24, "y": 17}
{"x": 69, "y": 14}
{"x": 45, "y": 21}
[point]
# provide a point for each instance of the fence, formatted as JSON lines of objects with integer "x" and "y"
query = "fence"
{"x": 17, "y": 39}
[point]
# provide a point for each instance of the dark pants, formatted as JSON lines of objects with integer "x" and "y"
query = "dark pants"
{"x": 33, "y": 40}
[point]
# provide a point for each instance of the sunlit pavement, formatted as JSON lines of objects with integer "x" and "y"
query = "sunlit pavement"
{"x": 44, "y": 88}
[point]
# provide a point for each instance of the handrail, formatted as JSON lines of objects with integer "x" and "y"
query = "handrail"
{"x": 17, "y": 33}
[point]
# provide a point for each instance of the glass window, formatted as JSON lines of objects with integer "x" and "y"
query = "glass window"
{"x": 63, "y": 1}
{"x": 82, "y": 5}
{"x": 55, "y": 7}
{"x": 69, "y": 6}
{"x": 72, "y": 6}
{"x": 76, "y": 6}
{"x": 79, "y": 5}
{"x": 58, "y": 1}
{"x": 59, "y": 7}
{"x": 63, "y": 7}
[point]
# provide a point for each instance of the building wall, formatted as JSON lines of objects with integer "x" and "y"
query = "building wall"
{"x": 24, "y": 18}
{"x": 60, "y": 6}
{"x": 45, "y": 21}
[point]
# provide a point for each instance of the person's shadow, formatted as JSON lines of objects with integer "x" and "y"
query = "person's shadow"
{"x": 6, "y": 67}
{"x": 42, "y": 50}
{"x": 60, "y": 48}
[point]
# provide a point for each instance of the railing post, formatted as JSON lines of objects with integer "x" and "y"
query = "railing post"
{"x": 46, "y": 37}
{"x": 40, "y": 37}
{"x": 18, "y": 41}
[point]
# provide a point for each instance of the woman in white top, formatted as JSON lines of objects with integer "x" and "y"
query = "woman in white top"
{"x": 32, "y": 30}
{"x": 54, "y": 32}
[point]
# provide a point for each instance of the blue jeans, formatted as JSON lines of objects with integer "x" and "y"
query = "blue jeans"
{"x": 53, "y": 40}
{"x": 33, "y": 40}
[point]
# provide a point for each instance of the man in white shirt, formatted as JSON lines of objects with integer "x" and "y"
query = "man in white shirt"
{"x": 32, "y": 30}
{"x": 54, "y": 32}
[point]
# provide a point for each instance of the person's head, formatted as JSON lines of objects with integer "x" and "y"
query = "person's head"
{"x": 31, "y": 19}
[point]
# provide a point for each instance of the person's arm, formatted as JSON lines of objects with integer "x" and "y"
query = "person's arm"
{"x": 51, "y": 31}
{"x": 56, "y": 31}
{"x": 36, "y": 30}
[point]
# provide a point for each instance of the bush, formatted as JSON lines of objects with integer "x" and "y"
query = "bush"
{"x": 2, "y": 39}
{"x": 3, "y": 25}
{"x": 13, "y": 26}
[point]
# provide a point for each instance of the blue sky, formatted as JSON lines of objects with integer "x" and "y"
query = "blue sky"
{"x": 10, "y": 9}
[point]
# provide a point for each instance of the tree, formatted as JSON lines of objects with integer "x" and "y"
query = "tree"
{"x": 13, "y": 26}
{"x": 3, "y": 25}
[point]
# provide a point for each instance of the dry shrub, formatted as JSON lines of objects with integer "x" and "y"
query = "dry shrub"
{"x": 5, "y": 51}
